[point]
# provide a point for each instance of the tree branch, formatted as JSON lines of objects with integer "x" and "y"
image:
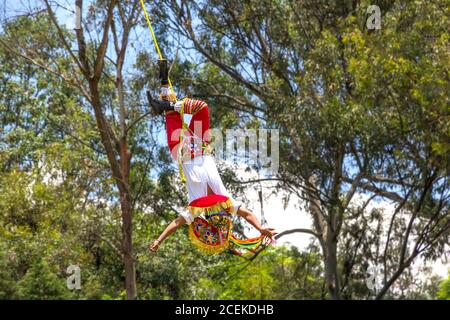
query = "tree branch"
{"x": 299, "y": 230}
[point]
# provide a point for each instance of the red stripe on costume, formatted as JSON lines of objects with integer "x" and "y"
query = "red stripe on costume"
{"x": 192, "y": 106}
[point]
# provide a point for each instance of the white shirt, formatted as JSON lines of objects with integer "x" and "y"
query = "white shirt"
{"x": 201, "y": 172}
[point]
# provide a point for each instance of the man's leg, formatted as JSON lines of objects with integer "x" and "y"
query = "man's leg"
{"x": 200, "y": 117}
{"x": 173, "y": 128}
{"x": 199, "y": 123}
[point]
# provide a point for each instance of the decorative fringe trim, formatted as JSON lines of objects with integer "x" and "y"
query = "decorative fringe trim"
{"x": 251, "y": 245}
{"x": 211, "y": 249}
{"x": 223, "y": 205}
{"x": 231, "y": 244}
{"x": 247, "y": 242}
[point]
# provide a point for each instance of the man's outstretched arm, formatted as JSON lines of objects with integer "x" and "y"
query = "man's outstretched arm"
{"x": 251, "y": 218}
{"x": 174, "y": 225}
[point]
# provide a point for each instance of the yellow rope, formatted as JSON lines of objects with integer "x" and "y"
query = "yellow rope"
{"x": 154, "y": 38}
{"x": 184, "y": 126}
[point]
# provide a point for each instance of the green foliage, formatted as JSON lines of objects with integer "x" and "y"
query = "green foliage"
{"x": 40, "y": 283}
{"x": 280, "y": 273}
{"x": 444, "y": 289}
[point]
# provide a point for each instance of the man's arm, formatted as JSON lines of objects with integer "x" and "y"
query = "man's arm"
{"x": 174, "y": 225}
{"x": 251, "y": 218}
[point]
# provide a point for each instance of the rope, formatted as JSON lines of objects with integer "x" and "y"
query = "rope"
{"x": 184, "y": 125}
{"x": 155, "y": 41}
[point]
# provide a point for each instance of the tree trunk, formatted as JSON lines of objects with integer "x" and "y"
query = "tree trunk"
{"x": 127, "y": 221}
{"x": 121, "y": 174}
{"x": 327, "y": 238}
{"x": 331, "y": 266}
{"x": 127, "y": 246}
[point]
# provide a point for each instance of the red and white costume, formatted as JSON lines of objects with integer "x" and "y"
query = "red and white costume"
{"x": 200, "y": 170}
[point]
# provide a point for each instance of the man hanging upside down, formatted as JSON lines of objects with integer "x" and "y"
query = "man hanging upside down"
{"x": 208, "y": 197}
